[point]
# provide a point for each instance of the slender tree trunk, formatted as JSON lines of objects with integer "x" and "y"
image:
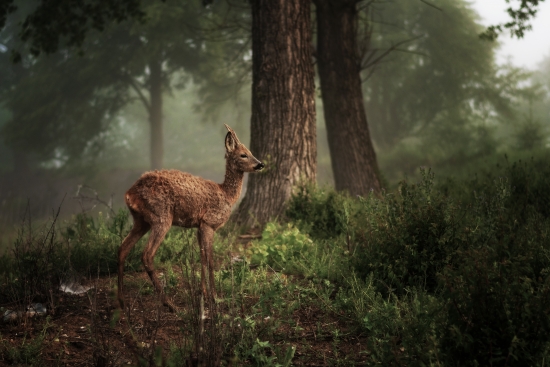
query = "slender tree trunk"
{"x": 353, "y": 158}
{"x": 283, "y": 132}
{"x": 155, "y": 114}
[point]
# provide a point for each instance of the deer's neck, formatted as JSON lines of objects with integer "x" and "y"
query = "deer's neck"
{"x": 233, "y": 183}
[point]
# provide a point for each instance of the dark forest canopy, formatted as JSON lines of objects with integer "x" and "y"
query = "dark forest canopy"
{"x": 51, "y": 23}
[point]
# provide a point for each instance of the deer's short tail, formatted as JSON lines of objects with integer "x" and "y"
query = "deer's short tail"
{"x": 130, "y": 203}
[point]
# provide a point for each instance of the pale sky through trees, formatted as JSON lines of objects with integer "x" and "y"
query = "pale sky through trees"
{"x": 525, "y": 52}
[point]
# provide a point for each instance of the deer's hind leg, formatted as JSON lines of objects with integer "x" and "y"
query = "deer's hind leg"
{"x": 138, "y": 230}
{"x": 158, "y": 232}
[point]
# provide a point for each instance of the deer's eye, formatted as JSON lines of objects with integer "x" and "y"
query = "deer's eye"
{"x": 243, "y": 156}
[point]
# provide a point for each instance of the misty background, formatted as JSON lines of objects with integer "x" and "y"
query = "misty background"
{"x": 439, "y": 97}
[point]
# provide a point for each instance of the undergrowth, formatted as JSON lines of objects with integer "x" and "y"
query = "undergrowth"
{"x": 448, "y": 272}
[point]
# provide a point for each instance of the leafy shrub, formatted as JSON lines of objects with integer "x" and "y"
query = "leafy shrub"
{"x": 322, "y": 213}
{"x": 30, "y": 270}
{"x": 279, "y": 245}
{"x": 403, "y": 331}
{"x": 498, "y": 294}
{"x": 176, "y": 240}
{"x": 529, "y": 181}
{"x": 90, "y": 245}
{"x": 530, "y": 188}
{"x": 486, "y": 261}
{"x": 407, "y": 238}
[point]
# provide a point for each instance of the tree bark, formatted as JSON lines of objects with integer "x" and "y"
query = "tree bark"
{"x": 283, "y": 131}
{"x": 155, "y": 114}
{"x": 352, "y": 154}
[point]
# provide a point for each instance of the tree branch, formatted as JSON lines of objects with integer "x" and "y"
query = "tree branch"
{"x": 367, "y": 63}
{"x": 140, "y": 94}
{"x": 432, "y": 5}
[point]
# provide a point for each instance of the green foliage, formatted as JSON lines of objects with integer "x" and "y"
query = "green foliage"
{"x": 485, "y": 260}
{"x": 529, "y": 183}
{"x": 259, "y": 302}
{"x": 91, "y": 244}
{"x": 403, "y": 331}
{"x": 526, "y": 176}
{"x": 449, "y": 272}
{"x": 176, "y": 240}
{"x": 497, "y": 295}
{"x": 408, "y": 237}
{"x": 31, "y": 270}
{"x": 41, "y": 258}
{"x": 27, "y": 353}
{"x": 452, "y": 83}
{"x": 262, "y": 353}
{"x": 322, "y": 213}
{"x": 280, "y": 244}
{"x": 520, "y": 22}
{"x": 468, "y": 107}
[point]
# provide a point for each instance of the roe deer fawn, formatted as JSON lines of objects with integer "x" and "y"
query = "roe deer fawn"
{"x": 160, "y": 199}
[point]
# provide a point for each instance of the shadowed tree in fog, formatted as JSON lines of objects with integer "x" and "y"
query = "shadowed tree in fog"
{"x": 52, "y": 116}
{"x": 443, "y": 78}
{"x": 80, "y": 95}
{"x": 339, "y": 63}
{"x": 532, "y": 131}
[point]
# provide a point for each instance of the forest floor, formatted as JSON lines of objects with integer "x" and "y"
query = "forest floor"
{"x": 86, "y": 330}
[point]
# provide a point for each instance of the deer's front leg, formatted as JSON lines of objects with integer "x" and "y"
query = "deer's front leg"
{"x": 206, "y": 238}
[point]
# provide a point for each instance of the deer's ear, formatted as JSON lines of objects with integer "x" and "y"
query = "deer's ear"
{"x": 235, "y": 138}
{"x": 230, "y": 143}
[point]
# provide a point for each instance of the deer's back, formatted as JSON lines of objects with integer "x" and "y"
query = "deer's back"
{"x": 184, "y": 199}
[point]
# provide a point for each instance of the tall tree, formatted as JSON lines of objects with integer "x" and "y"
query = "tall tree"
{"x": 339, "y": 63}
{"x": 283, "y": 132}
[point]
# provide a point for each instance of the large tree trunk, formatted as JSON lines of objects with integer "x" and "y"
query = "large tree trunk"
{"x": 155, "y": 114}
{"x": 283, "y": 132}
{"x": 353, "y": 158}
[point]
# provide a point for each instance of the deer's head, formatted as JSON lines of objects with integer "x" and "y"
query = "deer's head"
{"x": 238, "y": 156}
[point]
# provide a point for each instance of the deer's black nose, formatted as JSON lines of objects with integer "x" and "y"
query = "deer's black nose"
{"x": 259, "y": 166}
